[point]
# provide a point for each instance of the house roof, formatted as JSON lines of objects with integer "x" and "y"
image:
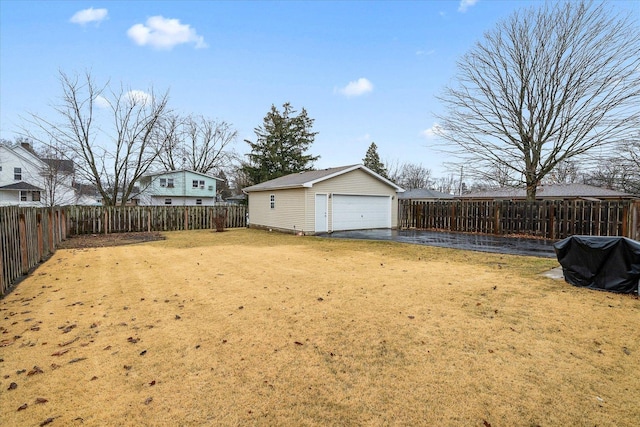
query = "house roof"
{"x": 555, "y": 191}
{"x": 21, "y": 186}
{"x": 152, "y": 174}
{"x": 307, "y": 179}
{"x": 60, "y": 165}
{"x": 424, "y": 193}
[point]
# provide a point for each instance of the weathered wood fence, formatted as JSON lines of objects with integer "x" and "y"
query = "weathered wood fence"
{"x": 30, "y": 235}
{"x": 551, "y": 219}
{"x": 27, "y": 237}
{"x": 100, "y": 219}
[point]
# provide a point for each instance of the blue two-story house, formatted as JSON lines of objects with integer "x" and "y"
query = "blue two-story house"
{"x": 179, "y": 187}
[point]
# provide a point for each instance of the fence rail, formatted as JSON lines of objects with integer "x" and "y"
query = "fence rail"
{"x": 27, "y": 237}
{"x": 551, "y": 219}
{"x": 100, "y": 219}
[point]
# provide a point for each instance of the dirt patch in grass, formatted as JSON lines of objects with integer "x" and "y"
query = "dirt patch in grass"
{"x": 105, "y": 240}
{"x": 250, "y": 327}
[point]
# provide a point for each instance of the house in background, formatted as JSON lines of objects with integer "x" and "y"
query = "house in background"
{"x": 551, "y": 192}
{"x": 342, "y": 198}
{"x": 179, "y": 187}
{"x": 28, "y": 180}
{"x": 424, "y": 194}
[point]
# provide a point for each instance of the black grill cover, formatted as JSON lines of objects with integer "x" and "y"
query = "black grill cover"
{"x": 604, "y": 263}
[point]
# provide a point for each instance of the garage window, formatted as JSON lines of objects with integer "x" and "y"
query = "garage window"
{"x": 272, "y": 201}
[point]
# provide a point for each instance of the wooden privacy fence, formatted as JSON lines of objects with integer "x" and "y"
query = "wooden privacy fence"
{"x": 27, "y": 237}
{"x": 100, "y": 219}
{"x": 551, "y": 219}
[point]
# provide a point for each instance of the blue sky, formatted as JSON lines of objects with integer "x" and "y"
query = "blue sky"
{"x": 365, "y": 71}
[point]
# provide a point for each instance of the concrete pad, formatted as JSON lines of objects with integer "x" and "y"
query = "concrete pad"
{"x": 554, "y": 273}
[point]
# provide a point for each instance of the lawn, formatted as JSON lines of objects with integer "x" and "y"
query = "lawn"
{"x": 248, "y": 327}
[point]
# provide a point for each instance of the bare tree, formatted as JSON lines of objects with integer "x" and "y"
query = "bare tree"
{"x": 196, "y": 143}
{"x": 449, "y": 184}
{"x": 546, "y": 85}
{"x": 57, "y": 176}
{"x": 113, "y": 151}
{"x": 411, "y": 176}
{"x": 565, "y": 172}
{"x": 620, "y": 171}
{"x": 630, "y": 153}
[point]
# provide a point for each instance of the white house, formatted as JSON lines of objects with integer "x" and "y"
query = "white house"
{"x": 180, "y": 187}
{"x": 343, "y": 198}
{"x": 28, "y": 180}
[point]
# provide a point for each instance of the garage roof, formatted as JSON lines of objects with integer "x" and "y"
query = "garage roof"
{"x": 307, "y": 179}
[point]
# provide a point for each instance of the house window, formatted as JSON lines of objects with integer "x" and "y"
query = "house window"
{"x": 169, "y": 182}
{"x": 202, "y": 184}
{"x": 17, "y": 174}
{"x": 272, "y": 201}
{"x": 163, "y": 182}
{"x": 194, "y": 183}
{"x": 167, "y": 201}
{"x": 23, "y": 196}
{"x": 35, "y": 196}
{"x": 198, "y": 201}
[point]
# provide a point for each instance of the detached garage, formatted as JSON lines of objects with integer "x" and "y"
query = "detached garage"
{"x": 334, "y": 199}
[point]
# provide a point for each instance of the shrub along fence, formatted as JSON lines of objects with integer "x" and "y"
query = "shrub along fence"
{"x": 101, "y": 219}
{"x": 550, "y": 219}
{"x": 27, "y": 237}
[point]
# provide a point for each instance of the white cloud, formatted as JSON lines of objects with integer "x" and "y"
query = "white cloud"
{"x": 138, "y": 97}
{"x": 102, "y": 102}
{"x": 432, "y": 132}
{"x": 366, "y": 137}
{"x": 465, "y": 5}
{"x": 89, "y": 15}
{"x": 357, "y": 88}
{"x": 164, "y": 33}
{"x": 425, "y": 52}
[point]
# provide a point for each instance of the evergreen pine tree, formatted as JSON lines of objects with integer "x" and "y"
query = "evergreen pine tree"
{"x": 373, "y": 162}
{"x": 280, "y": 145}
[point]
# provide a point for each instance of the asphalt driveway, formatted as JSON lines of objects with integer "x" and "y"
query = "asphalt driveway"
{"x": 474, "y": 242}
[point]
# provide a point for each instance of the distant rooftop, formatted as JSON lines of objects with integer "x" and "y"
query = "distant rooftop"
{"x": 424, "y": 193}
{"x": 554, "y": 191}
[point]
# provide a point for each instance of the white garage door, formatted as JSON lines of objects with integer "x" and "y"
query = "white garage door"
{"x": 361, "y": 212}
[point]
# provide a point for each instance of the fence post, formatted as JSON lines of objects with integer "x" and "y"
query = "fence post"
{"x": 40, "y": 239}
{"x": 498, "y": 214}
{"x": 552, "y": 217}
{"x": 625, "y": 220}
{"x": 23, "y": 244}
{"x": 635, "y": 221}
{"x": 2, "y": 288}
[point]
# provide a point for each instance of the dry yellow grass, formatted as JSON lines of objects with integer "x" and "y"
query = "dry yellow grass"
{"x": 254, "y": 328}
